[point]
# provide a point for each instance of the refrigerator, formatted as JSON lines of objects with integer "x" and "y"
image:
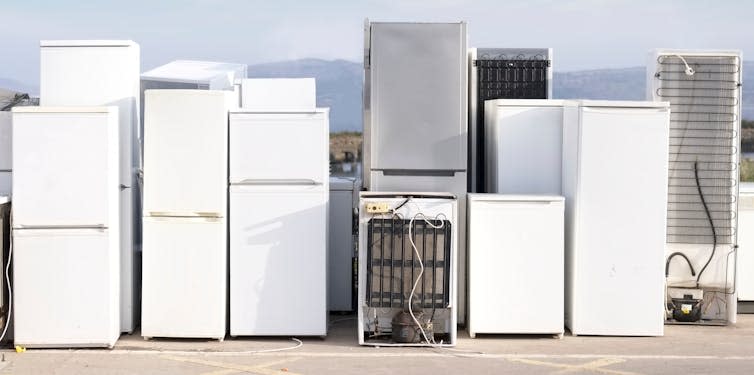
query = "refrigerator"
{"x": 523, "y": 146}
{"x": 501, "y": 73}
{"x": 278, "y": 94}
{"x": 66, "y": 257}
{"x": 745, "y": 261}
{"x": 415, "y": 114}
{"x": 341, "y": 252}
{"x": 104, "y": 73}
{"x": 278, "y": 223}
{"x": 516, "y": 254}
{"x": 6, "y": 160}
{"x": 615, "y": 170}
{"x": 184, "y": 274}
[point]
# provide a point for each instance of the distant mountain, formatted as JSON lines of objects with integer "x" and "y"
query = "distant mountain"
{"x": 13, "y": 85}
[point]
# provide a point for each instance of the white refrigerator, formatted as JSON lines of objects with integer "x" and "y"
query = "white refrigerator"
{"x": 184, "y": 275}
{"x": 66, "y": 284}
{"x": 5, "y": 153}
{"x": 745, "y": 268}
{"x": 278, "y": 223}
{"x": 615, "y": 171}
{"x": 104, "y": 73}
{"x": 515, "y": 264}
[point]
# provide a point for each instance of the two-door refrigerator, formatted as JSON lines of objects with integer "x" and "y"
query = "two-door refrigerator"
{"x": 278, "y": 223}
{"x": 615, "y": 170}
{"x": 184, "y": 275}
{"x": 66, "y": 284}
{"x": 104, "y": 73}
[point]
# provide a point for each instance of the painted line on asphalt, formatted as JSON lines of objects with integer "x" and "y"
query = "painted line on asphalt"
{"x": 597, "y": 366}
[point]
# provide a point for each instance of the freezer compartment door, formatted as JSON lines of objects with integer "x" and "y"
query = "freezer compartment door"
{"x": 184, "y": 277}
{"x": 278, "y": 253}
{"x": 254, "y": 151}
{"x": 65, "y": 168}
{"x": 65, "y": 287}
{"x": 186, "y": 151}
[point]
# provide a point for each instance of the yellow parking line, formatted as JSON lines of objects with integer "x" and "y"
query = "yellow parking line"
{"x": 261, "y": 369}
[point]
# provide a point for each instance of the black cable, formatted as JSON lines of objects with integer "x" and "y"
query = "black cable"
{"x": 667, "y": 263}
{"x": 709, "y": 218}
{"x": 17, "y": 99}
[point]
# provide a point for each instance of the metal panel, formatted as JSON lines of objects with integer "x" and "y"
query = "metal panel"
{"x": 415, "y": 96}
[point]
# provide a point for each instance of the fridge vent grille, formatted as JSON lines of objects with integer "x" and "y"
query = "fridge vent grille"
{"x": 393, "y": 267}
{"x": 704, "y": 138}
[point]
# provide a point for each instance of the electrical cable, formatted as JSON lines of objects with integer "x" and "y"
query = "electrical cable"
{"x": 689, "y": 71}
{"x": 711, "y": 223}
{"x": 678, "y": 253}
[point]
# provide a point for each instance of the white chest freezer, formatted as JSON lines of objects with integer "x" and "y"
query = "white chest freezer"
{"x": 515, "y": 264}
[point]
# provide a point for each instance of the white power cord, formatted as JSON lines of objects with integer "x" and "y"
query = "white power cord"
{"x": 7, "y": 279}
{"x": 689, "y": 71}
{"x": 421, "y": 272}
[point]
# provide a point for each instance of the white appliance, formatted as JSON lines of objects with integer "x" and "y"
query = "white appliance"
{"x": 523, "y": 146}
{"x": 66, "y": 257}
{"x": 278, "y": 94}
{"x": 6, "y": 159}
{"x": 704, "y": 92}
{"x": 416, "y": 120}
{"x": 341, "y": 249}
{"x": 616, "y": 201}
{"x": 184, "y": 282}
{"x": 104, "y": 73}
{"x": 745, "y": 262}
{"x": 516, "y": 265}
{"x": 4, "y": 247}
{"x": 278, "y": 223}
{"x": 408, "y": 273}
{"x": 501, "y": 73}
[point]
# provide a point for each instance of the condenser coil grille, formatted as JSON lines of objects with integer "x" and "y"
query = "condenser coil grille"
{"x": 704, "y": 139}
{"x": 392, "y": 265}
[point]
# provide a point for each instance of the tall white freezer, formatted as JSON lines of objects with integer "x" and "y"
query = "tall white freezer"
{"x": 278, "y": 223}
{"x": 615, "y": 170}
{"x": 523, "y": 146}
{"x": 66, "y": 285}
{"x": 344, "y": 200}
{"x": 104, "y": 73}
{"x": 745, "y": 262}
{"x": 184, "y": 282}
{"x": 515, "y": 264}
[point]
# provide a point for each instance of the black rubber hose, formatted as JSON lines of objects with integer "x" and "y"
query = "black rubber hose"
{"x": 667, "y": 263}
{"x": 709, "y": 218}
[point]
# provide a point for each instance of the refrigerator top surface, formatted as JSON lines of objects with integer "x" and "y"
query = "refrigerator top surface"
{"x": 696, "y": 52}
{"x": 87, "y": 43}
{"x": 528, "y": 102}
{"x": 246, "y": 111}
{"x": 391, "y": 194}
{"x": 63, "y": 109}
{"x": 195, "y": 71}
{"x": 342, "y": 183}
{"x": 512, "y": 53}
{"x": 619, "y": 104}
{"x": 415, "y": 23}
{"x": 514, "y": 198}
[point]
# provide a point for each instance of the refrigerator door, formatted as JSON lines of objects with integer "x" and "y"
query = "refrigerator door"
{"x": 66, "y": 287}
{"x": 6, "y": 135}
{"x": 416, "y": 99}
{"x": 279, "y": 94}
{"x": 515, "y": 254}
{"x": 745, "y": 269}
{"x": 65, "y": 163}
{"x": 278, "y": 260}
{"x": 186, "y": 152}
{"x": 255, "y": 155}
{"x": 184, "y": 277}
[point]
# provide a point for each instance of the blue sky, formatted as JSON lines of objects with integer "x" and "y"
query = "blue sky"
{"x": 585, "y": 34}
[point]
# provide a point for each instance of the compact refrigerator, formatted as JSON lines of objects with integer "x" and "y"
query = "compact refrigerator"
{"x": 278, "y": 94}
{"x": 501, "y": 73}
{"x": 278, "y": 223}
{"x": 184, "y": 275}
{"x": 523, "y": 146}
{"x": 6, "y": 160}
{"x": 415, "y": 114}
{"x": 105, "y": 73}
{"x": 615, "y": 170}
{"x": 341, "y": 249}
{"x": 515, "y": 254}
{"x": 66, "y": 257}
{"x": 745, "y": 261}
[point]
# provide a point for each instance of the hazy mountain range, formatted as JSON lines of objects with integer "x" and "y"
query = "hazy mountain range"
{"x": 339, "y": 86}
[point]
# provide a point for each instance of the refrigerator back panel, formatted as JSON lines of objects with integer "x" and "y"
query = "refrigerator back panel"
{"x": 255, "y": 155}
{"x": 65, "y": 166}
{"x": 186, "y": 149}
{"x": 415, "y": 98}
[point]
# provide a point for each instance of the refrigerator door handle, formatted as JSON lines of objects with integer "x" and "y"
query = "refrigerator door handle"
{"x": 186, "y": 214}
{"x": 124, "y": 187}
{"x": 37, "y": 227}
{"x": 252, "y": 181}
